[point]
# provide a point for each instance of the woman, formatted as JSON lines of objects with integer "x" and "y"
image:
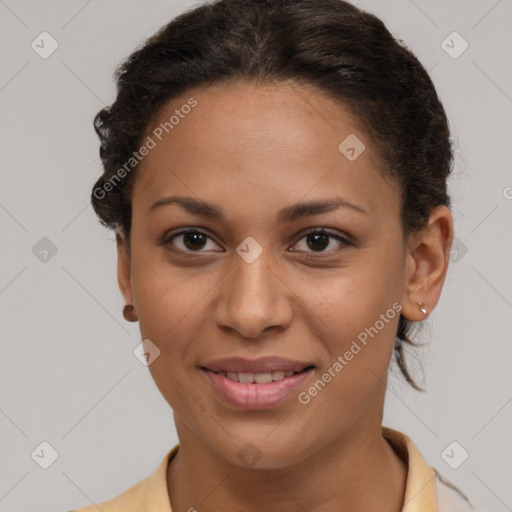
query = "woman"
{"x": 276, "y": 175}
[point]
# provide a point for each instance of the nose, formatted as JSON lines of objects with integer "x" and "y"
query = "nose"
{"x": 254, "y": 298}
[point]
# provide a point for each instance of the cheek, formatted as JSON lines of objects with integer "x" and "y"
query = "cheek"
{"x": 362, "y": 328}
{"x": 361, "y": 311}
{"x": 171, "y": 307}
{"x": 169, "y": 300}
{"x": 350, "y": 299}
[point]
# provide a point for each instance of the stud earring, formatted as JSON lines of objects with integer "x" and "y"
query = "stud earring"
{"x": 422, "y": 307}
{"x": 129, "y": 313}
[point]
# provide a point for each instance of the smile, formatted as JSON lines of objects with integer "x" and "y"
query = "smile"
{"x": 256, "y": 391}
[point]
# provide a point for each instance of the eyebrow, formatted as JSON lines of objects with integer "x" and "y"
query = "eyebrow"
{"x": 288, "y": 214}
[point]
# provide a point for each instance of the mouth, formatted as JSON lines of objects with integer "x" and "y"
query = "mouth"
{"x": 256, "y": 385}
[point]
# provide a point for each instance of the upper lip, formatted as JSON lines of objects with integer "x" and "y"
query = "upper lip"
{"x": 261, "y": 365}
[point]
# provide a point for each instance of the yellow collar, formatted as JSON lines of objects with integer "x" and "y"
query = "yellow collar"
{"x": 420, "y": 487}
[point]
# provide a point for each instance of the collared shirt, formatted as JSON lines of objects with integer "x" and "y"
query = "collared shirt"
{"x": 425, "y": 489}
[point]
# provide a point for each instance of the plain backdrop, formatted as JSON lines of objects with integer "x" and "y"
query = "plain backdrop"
{"x": 68, "y": 375}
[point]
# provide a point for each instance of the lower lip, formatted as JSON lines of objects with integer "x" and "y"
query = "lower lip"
{"x": 256, "y": 397}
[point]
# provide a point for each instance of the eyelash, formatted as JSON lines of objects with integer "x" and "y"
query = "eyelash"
{"x": 314, "y": 231}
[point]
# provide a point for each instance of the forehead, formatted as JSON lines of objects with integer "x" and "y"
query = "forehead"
{"x": 243, "y": 139}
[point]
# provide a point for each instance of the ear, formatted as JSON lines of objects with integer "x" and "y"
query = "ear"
{"x": 124, "y": 266}
{"x": 427, "y": 258}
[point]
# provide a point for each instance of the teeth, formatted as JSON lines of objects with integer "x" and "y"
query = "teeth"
{"x": 263, "y": 378}
{"x": 246, "y": 378}
{"x": 258, "y": 378}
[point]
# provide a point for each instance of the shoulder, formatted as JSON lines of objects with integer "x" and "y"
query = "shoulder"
{"x": 452, "y": 499}
{"x": 449, "y": 498}
{"x": 130, "y": 498}
{"x": 148, "y": 494}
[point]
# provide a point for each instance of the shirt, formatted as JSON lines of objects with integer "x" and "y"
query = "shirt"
{"x": 425, "y": 491}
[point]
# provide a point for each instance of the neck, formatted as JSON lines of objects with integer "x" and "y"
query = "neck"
{"x": 357, "y": 471}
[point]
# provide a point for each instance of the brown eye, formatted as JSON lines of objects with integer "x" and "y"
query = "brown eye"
{"x": 194, "y": 240}
{"x": 318, "y": 240}
{"x": 191, "y": 240}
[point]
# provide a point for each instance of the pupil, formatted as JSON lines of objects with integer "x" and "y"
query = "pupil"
{"x": 197, "y": 240}
{"x": 319, "y": 237}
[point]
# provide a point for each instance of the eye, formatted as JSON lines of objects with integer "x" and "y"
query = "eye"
{"x": 192, "y": 240}
{"x": 319, "y": 239}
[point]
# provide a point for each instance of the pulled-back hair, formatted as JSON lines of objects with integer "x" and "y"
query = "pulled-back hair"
{"x": 345, "y": 52}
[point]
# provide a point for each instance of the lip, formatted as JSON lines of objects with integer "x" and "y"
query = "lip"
{"x": 257, "y": 397}
{"x": 260, "y": 365}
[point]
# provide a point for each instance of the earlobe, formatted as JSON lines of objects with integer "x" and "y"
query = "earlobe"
{"x": 427, "y": 263}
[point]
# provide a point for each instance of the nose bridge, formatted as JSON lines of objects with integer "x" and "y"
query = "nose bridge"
{"x": 251, "y": 278}
{"x": 252, "y": 296}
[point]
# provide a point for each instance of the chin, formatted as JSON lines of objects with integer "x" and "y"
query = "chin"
{"x": 263, "y": 450}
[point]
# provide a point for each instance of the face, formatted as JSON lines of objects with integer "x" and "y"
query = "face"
{"x": 261, "y": 287}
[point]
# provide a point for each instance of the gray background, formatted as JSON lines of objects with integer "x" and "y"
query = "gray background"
{"x": 68, "y": 375}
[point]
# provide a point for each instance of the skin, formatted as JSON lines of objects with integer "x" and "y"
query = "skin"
{"x": 252, "y": 150}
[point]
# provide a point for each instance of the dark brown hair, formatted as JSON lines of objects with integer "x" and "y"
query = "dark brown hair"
{"x": 332, "y": 45}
